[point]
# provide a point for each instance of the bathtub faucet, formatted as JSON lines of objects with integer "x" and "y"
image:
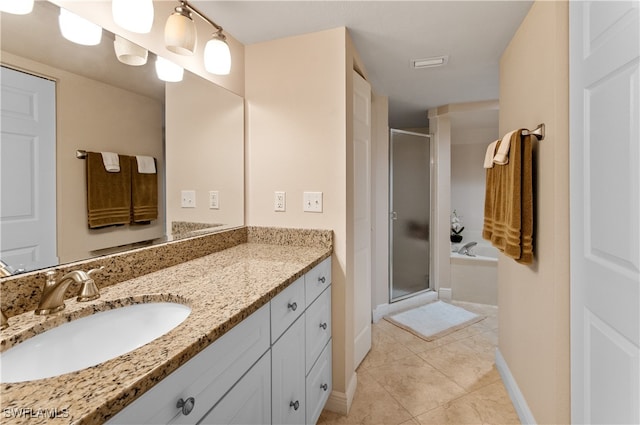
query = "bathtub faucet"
{"x": 465, "y": 250}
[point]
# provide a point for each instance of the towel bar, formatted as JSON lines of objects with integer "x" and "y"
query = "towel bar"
{"x": 538, "y": 132}
{"x": 81, "y": 154}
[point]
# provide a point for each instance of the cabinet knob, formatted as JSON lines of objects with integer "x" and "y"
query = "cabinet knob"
{"x": 186, "y": 405}
{"x": 324, "y": 387}
{"x": 322, "y": 279}
{"x": 293, "y": 306}
{"x": 323, "y": 325}
{"x": 295, "y": 404}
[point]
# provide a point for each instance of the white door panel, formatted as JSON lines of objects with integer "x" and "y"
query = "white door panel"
{"x": 28, "y": 171}
{"x": 605, "y": 211}
{"x": 362, "y": 215}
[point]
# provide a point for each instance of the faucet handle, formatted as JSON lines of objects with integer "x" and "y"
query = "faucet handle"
{"x": 93, "y": 271}
{"x": 5, "y": 321}
{"x": 89, "y": 290}
{"x": 51, "y": 276}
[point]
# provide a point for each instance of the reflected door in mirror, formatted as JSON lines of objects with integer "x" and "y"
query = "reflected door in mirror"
{"x": 28, "y": 155}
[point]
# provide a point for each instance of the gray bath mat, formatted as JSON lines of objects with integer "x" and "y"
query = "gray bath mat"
{"x": 434, "y": 320}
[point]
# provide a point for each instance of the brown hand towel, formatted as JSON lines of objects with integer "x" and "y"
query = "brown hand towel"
{"x": 108, "y": 193}
{"x": 508, "y": 209}
{"x": 144, "y": 189}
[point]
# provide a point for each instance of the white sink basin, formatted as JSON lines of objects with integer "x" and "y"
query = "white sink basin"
{"x": 89, "y": 341}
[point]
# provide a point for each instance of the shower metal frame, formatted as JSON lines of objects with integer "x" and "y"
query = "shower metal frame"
{"x": 393, "y": 215}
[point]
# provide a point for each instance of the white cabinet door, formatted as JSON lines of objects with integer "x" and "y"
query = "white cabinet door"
{"x": 288, "y": 386}
{"x": 249, "y": 401}
{"x": 605, "y": 211}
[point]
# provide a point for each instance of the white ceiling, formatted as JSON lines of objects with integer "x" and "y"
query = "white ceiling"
{"x": 388, "y": 35}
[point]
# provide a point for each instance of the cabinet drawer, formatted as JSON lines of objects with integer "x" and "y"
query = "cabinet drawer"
{"x": 317, "y": 279}
{"x": 286, "y": 307}
{"x": 206, "y": 377}
{"x": 318, "y": 327}
{"x": 319, "y": 385}
{"x": 249, "y": 401}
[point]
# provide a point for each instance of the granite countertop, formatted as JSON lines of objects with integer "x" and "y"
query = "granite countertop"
{"x": 222, "y": 289}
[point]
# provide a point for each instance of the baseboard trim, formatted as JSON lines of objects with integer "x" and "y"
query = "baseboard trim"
{"x": 384, "y": 309}
{"x": 445, "y": 294}
{"x": 340, "y": 402}
{"x": 517, "y": 398}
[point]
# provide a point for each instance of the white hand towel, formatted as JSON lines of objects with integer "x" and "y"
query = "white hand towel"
{"x": 488, "y": 157}
{"x": 111, "y": 162}
{"x": 146, "y": 164}
{"x": 502, "y": 157}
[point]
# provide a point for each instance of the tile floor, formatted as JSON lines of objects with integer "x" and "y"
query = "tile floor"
{"x": 452, "y": 380}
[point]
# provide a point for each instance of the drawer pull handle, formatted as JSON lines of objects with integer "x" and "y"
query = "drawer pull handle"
{"x": 293, "y": 306}
{"x": 186, "y": 405}
{"x": 295, "y": 405}
{"x": 321, "y": 279}
{"x": 324, "y": 387}
{"x": 323, "y": 325}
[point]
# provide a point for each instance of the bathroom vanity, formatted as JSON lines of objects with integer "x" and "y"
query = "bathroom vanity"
{"x": 256, "y": 347}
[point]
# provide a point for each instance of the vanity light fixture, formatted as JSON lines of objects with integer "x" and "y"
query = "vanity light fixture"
{"x": 133, "y": 15}
{"x": 129, "y": 53}
{"x": 79, "y": 30}
{"x": 168, "y": 71}
{"x": 16, "y": 7}
{"x": 181, "y": 37}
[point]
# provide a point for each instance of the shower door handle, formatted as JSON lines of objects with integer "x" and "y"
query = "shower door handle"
{"x": 393, "y": 215}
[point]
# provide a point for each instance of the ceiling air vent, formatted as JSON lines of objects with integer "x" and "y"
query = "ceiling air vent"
{"x": 429, "y": 62}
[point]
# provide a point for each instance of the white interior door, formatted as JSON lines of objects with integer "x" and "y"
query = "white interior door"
{"x": 605, "y": 212}
{"x": 28, "y": 171}
{"x": 362, "y": 215}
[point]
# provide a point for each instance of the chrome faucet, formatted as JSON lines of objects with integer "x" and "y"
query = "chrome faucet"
{"x": 465, "y": 250}
{"x": 52, "y": 299}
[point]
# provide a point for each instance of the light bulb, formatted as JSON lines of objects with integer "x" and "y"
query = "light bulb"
{"x": 79, "y": 30}
{"x": 168, "y": 71}
{"x": 217, "y": 56}
{"x": 16, "y": 7}
{"x": 133, "y": 15}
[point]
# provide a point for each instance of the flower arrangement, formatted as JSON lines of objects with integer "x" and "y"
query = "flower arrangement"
{"x": 456, "y": 227}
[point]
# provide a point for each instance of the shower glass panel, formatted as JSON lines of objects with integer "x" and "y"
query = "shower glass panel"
{"x": 410, "y": 206}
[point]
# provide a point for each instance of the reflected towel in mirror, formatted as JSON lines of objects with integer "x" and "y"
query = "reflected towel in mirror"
{"x": 108, "y": 193}
{"x": 111, "y": 162}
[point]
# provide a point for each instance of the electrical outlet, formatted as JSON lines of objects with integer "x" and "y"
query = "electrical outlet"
{"x": 214, "y": 200}
{"x": 280, "y": 201}
{"x": 188, "y": 199}
{"x": 312, "y": 202}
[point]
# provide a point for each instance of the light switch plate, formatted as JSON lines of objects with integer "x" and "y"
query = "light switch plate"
{"x": 188, "y": 199}
{"x": 312, "y": 202}
{"x": 214, "y": 200}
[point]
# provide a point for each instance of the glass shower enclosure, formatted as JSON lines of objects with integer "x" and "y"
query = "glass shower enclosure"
{"x": 410, "y": 213}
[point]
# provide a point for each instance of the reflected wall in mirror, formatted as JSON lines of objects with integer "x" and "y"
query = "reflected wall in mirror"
{"x": 104, "y": 105}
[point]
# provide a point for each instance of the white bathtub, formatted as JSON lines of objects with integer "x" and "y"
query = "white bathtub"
{"x": 475, "y": 279}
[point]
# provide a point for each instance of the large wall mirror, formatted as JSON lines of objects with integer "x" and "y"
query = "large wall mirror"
{"x": 193, "y": 128}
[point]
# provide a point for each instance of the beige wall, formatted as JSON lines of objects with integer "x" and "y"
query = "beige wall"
{"x": 298, "y": 110}
{"x": 534, "y": 300}
{"x": 100, "y": 13}
{"x": 204, "y": 151}
{"x": 95, "y": 116}
{"x": 296, "y": 141}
